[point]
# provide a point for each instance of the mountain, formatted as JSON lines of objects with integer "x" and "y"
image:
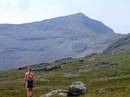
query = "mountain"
{"x": 46, "y": 41}
{"x": 122, "y": 45}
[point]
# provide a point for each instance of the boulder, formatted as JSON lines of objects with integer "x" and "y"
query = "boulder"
{"x": 58, "y": 92}
{"x": 77, "y": 88}
{"x": 62, "y": 94}
{"x": 105, "y": 62}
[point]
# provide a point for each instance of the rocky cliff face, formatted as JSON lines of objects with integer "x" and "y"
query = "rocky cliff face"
{"x": 45, "y": 41}
{"x": 121, "y": 45}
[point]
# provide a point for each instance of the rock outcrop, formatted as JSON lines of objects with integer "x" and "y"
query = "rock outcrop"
{"x": 59, "y": 92}
{"x": 77, "y": 88}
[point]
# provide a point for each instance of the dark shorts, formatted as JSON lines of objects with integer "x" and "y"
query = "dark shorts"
{"x": 30, "y": 84}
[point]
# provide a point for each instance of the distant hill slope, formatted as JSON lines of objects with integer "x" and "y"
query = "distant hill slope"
{"x": 45, "y": 41}
{"x": 121, "y": 45}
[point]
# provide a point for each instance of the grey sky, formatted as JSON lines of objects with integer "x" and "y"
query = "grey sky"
{"x": 114, "y": 13}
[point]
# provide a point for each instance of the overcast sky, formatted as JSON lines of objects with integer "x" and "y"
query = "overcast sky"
{"x": 113, "y": 13}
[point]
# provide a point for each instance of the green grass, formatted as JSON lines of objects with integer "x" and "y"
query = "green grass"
{"x": 116, "y": 84}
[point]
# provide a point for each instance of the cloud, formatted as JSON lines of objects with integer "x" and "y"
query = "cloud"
{"x": 13, "y": 5}
{"x": 24, "y": 4}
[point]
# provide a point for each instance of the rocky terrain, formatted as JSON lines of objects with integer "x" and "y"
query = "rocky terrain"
{"x": 46, "y": 41}
{"x": 105, "y": 75}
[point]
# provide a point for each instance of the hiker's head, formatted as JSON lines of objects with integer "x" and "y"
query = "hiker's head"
{"x": 29, "y": 69}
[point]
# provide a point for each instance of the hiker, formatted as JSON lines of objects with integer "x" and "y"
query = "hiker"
{"x": 29, "y": 81}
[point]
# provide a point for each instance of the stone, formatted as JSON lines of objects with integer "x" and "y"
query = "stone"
{"x": 77, "y": 88}
{"x": 101, "y": 91}
{"x": 63, "y": 94}
{"x": 59, "y": 92}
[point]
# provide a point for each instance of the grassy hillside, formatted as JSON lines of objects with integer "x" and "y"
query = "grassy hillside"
{"x": 109, "y": 72}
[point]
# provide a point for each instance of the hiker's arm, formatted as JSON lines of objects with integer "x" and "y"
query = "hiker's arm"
{"x": 34, "y": 80}
{"x": 33, "y": 76}
{"x": 25, "y": 78}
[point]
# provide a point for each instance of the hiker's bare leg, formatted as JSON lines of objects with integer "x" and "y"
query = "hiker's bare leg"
{"x": 27, "y": 90}
{"x": 30, "y": 92}
{"x": 28, "y": 95}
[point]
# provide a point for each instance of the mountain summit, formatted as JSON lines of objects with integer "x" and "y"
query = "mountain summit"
{"x": 45, "y": 41}
{"x": 81, "y": 22}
